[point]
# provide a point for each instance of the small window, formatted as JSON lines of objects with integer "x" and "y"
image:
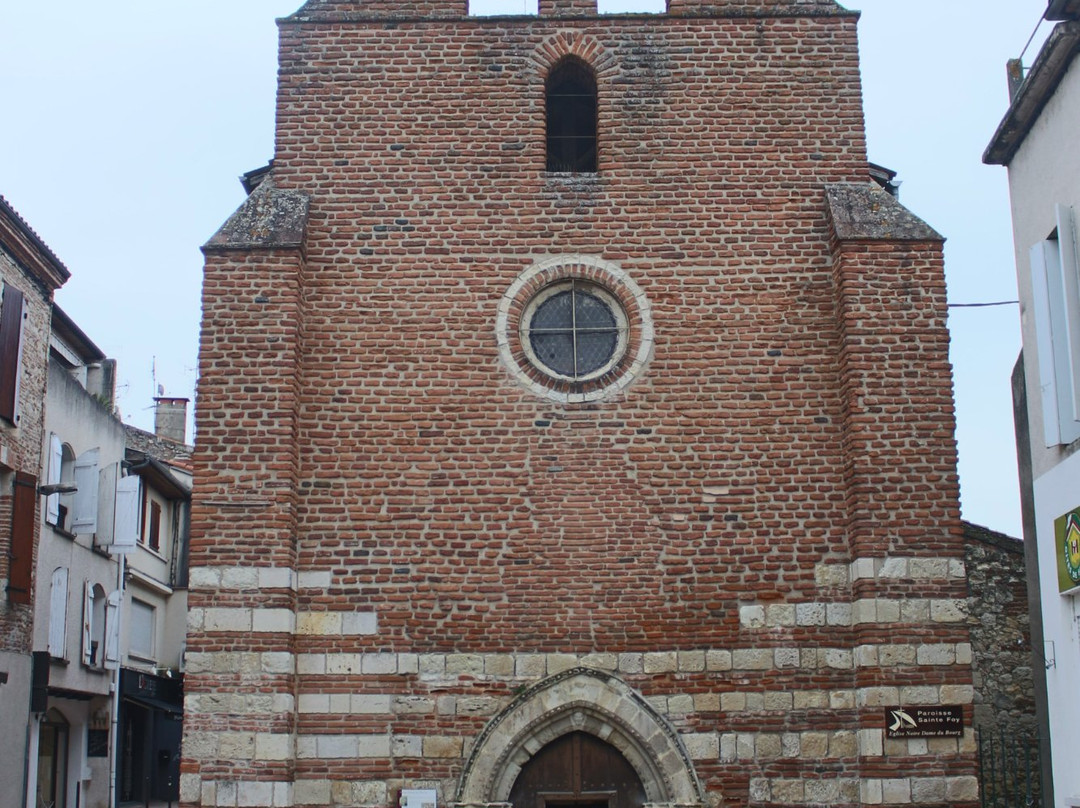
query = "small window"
{"x": 571, "y": 118}
{"x": 142, "y": 629}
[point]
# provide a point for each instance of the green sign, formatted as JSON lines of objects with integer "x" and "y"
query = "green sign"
{"x": 1067, "y": 543}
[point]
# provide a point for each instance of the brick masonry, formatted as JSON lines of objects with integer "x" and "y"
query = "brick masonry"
{"x": 396, "y": 542}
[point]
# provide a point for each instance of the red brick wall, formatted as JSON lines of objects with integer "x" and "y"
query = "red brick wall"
{"x": 796, "y": 414}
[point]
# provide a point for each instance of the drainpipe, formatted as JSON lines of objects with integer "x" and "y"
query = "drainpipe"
{"x": 114, "y": 800}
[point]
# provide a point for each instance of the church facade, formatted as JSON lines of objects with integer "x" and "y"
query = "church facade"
{"x": 575, "y": 427}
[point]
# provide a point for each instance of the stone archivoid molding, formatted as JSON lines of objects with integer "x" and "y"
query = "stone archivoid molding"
{"x": 580, "y": 700}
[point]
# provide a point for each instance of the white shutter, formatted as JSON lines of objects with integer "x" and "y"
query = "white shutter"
{"x": 1044, "y": 272}
{"x": 84, "y": 518}
{"x": 58, "y": 599}
{"x": 56, "y": 460}
{"x": 106, "y": 511}
{"x": 126, "y": 525}
{"x": 112, "y": 630}
{"x": 1070, "y": 275}
{"x": 87, "y": 622}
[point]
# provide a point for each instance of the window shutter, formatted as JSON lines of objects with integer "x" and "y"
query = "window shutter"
{"x": 1070, "y": 274}
{"x": 56, "y": 460}
{"x": 11, "y": 327}
{"x": 112, "y": 630}
{"x": 23, "y": 520}
{"x": 106, "y": 510}
{"x": 1043, "y": 258}
{"x": 87, "y": 623}
{"x": 126, "y": 532}
{"x": 84, "y": 518}
{"x": 58, "y": 599}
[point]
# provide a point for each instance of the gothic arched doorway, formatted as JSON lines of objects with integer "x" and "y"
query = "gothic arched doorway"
{"x": 578, "y": 770}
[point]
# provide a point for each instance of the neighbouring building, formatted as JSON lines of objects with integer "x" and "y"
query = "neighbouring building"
{"x": 111, "y": 572}
{"x": 1036, "y": 141}
{"x": 575, "y": 427}
{"x": 30, "y": 273}
{"x": 77, "y": 610}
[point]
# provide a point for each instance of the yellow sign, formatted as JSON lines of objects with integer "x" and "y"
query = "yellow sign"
{"x": 1067, "y": 543}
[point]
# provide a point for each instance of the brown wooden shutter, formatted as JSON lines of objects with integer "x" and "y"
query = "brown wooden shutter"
{"x": 11, "y": 317}
{"x": 23, "y": 519}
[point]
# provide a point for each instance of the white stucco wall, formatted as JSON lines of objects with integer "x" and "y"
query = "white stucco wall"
{"x": 1056, "y": 493}
{"x": 1045, "y": 172}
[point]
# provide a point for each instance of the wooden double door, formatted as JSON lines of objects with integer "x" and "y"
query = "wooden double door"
{"x": 578, "y": 770}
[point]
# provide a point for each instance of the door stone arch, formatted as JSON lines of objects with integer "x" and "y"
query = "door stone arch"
{"x": 580, "y": 700}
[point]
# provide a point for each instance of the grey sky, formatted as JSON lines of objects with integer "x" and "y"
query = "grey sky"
{"x": 126, "y": 124}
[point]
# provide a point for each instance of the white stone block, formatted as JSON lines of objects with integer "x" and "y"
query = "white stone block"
{"x": 227, "y": 620}
{"x": 336, "y": 746}
{"x": 271, "y": 746}
{"x": 343, "y": 664}
{"x": 893, "y": 568}
{"x": 870, "y": 792}
{"x": 661, "y": 662}
{"x": 370, "y": 704}
{"x": 273, "y": 620}
{"x": 204, "y": 578}
{"x": 631, "y": 663}
{"x": 862, "y": 568}
{"x": 871, "y": 742}
{"x": 779, "y": 615}
{"x": 283, "y": 795}
{"x": 919, "y": 694}
{"x": 313, "y": 579}
{"x": 838, "y": 614}
{"x": 190, "y": 787}
{"x": 309, "y": 664}
{"x": 702, "y": 745}
{"x": 936, "y": 654}
{"x": 277, "y": 662}
{"x": 239, "y": 578}
{"x": 251, "y": 794}
{"x": 318, "y": 703}
{"x": 311, "y": 792}
{"x": 752, "y": 616}
{"x": 359, "y": 624}
{"x": 407, "y": 746}
{"x": 896, "y": 791}
{"x": 810, "y": 614}
{"x": 557, "y": 663}
{"x": 275, "y": 578}
{"x": 715, "y": 661}
{"x": 373, "y": 746}
{"x": 378, "y": 664}
{"x": 691, "y": 661}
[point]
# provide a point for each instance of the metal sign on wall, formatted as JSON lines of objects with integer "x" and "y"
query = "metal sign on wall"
{"x": 942, "y": 721}
{"x": 1067, "y": 541}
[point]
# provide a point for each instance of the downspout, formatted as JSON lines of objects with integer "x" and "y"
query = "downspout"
{"x": 115, "y": 685}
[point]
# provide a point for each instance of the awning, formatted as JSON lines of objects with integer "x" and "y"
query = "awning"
{"x": 156, "y": 704}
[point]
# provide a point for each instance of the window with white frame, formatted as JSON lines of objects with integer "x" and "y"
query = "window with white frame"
{"x": 143, "y": 616}
{"x": 1055, "y": 281}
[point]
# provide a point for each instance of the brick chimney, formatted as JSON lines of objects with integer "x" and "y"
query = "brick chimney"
{"x": 170, "y": 418}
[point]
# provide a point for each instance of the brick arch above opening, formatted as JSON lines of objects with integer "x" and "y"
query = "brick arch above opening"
{"x": 580, "y": 700}
{"x": 587, "y": 48}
